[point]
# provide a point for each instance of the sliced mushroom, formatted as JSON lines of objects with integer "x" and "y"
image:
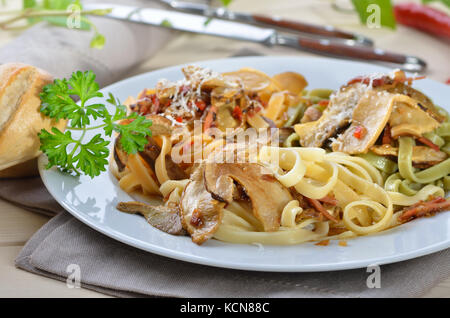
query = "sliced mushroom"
{"x": 164, "y": 218}
{"x": 201, "y": 214}
{"x": 160, "y": 125}
{"x": 369, "y": 118}
{"x": 120, "y": 156}
{"x": 267, "y": 195}
{"x": 421, "y": 155}
{"x": 409, "y": 117}
{"x": 338, "y": 114}
{"x": 152, "y": 152}
{"x": 423, "y": 101}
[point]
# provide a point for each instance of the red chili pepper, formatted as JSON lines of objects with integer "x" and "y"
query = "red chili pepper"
{"x": 324, "y": 103}
{"x": 366, "y": 80}
{"x": 201, "y": 105}
{"x": 179, "y": 119}
{"x": 359, "y": 132}
{"x": 237, "y": 113}
{"x": 423, "y": 18}
{"x": 252, "y": 111}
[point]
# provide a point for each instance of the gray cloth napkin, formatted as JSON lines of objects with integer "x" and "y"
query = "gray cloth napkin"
{"x": 113, "y": 268}
{"x": 61, "y": 51}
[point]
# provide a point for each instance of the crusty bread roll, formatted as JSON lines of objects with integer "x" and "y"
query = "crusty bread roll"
{"x": 20, "y": 118}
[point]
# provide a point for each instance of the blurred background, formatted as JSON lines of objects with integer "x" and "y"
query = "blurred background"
{"x": 425, "y": 37}
{"x": 427, "y": 40}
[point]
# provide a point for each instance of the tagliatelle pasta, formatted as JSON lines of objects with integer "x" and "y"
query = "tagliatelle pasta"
{"x": 246, "y": 158}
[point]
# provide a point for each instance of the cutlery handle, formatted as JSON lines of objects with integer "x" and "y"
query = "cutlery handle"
{"x": 327, "y": 47}
{"x": 324, "y": 31}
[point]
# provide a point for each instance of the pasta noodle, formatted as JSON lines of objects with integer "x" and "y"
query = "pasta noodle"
{"x": 360, "y": 189}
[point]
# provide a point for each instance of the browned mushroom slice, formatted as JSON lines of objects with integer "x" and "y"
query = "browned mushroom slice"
{"x": 408, "y": 117}
{"x": 421, "y": 156}
{"x": 120, "y": 156}
{"x": 423, "y": 101}
{"x": 368, "y": 121}
{"x": 284, "y": 133}
{"x": 152, "y": 152}
{"x": 160, "y": 125}
{"x": 267, "y": 195}
{"x": 164, "y": 218}
{"x": 337, "y": 115}
{"x": 201, "y": 214}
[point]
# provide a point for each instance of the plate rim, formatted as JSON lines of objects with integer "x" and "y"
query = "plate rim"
{"x": 195, "y": 259}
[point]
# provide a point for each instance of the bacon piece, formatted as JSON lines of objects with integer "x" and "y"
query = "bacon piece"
{"x": 318, "y": 206}
{"x": 329, "y": 200}
{"x": 429, "y": 143}
{"x": 423, "y": 208}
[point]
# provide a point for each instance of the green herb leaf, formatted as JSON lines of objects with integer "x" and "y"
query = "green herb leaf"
{"x": 74, "y": 155}
{"x": 208, "y": 21}
{"x": 27, "y": 4}
{"x": 98, "y": 41}
{"x": 166, "y": 23}
{"x": 55, "y": 146}
{"x": 92, "y": 158}
{"x": 57, "y": 4}
{"x": 120, "y": 113}
{"x": 133, "y": 136}
{"x": 62, "y": 22}
{"x": 375, "y": 11}
{"x": 57, "y": 102}
{"x": 226, "y": 3}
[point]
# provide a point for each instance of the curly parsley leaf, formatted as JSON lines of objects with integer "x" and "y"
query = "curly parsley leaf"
{"x": 55, "y": 146}
{"x": 92, "y": 157}
{"x": 134, "y": 134}
{"x": 57, "y": 101}
{"x": 75, "y": 155}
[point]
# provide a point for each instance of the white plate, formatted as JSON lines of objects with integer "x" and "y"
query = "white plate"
{"x": 93, "y": 201}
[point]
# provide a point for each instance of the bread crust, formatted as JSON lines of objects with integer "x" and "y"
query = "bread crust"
{"x": 19, "y": 141}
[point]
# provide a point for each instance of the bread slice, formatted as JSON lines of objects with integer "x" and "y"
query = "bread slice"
{"x": 20, "y": 118}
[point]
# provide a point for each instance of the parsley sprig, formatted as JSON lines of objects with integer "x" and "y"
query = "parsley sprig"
{"x": 75, "y": 154}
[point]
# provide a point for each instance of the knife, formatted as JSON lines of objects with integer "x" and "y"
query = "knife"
{"x": 244, "y": 32}
{"x": 272, "y": 21}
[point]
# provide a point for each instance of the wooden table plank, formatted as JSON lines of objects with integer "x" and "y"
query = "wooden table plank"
{"x": 17, "y": 225}
{"x": 18, "y": 283}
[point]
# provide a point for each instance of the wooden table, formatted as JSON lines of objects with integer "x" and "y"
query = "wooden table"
{"x": 18, "y": 225}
